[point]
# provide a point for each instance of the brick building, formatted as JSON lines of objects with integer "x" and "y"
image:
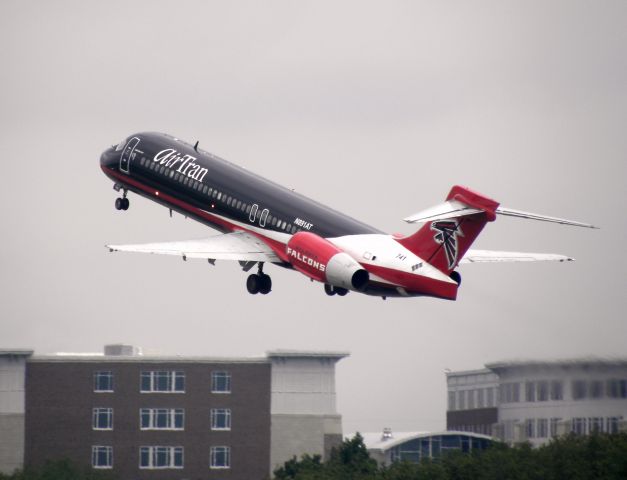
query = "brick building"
{"x": 145, "y": 417}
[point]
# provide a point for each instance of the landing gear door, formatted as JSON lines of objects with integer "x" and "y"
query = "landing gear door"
{"x": 128, "y": 154}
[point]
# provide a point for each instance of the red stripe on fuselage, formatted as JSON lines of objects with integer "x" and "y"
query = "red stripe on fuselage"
{"x": 276, "y": 246}
{"x": 415, "y": 283}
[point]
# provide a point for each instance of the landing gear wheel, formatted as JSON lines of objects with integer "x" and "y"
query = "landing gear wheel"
{"x": 253, "y": 283}
{"x": 121, "y": 203}
{"x": 329, "y": 290}
{"x": 340, "y": 291}
{"x": 265, "y": 284}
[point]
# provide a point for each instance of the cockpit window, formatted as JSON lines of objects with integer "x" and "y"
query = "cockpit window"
{"x": 120, "y": 145}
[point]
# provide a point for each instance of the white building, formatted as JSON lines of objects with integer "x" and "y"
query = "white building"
{"x": 12, "y": 368}
{"x": 538, "y": 400}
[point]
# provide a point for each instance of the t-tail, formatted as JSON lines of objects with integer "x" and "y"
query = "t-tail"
{"x": 453, "y": 226}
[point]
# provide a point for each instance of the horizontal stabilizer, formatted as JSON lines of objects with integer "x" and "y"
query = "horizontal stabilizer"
{"x": 446, "y": 210}
{"x": 492, "y": 256}
{"x": 543, "y": 218}
{"x": 238, "y": 246}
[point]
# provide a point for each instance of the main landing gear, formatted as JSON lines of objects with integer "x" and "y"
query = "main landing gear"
{"x": 259, "y": 282}
{"x": 121, "y": 203}
{"x": 332, "y": 290}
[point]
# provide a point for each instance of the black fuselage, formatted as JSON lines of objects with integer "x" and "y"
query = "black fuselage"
{"x": 192, "y": 181}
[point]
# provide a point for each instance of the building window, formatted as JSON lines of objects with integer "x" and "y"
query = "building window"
{"x": 557, "y": 390}
{"x": 617, "y": 388}
{"x": 579, "y": 426}
{"x": 471, "y": 399}
{"x": 103, "y": 381}
{"x": 530, "y": 391}
{"x": 163, "y": 381}
{"x": 510, "y": 392}
{"x": 595, "y": 424}
{"x": 530, "y": 428}
{"x": 101, "y": 457}
{"x": 490, "y": 402}
{"x": 160, "y": 457}
{"x": 542, "y": 428}
{"x": 480, "y": 398}
{"x": 580, "y": 389}
{"x": 451, "y": 400}
{"x": 220, "y": 382}
{"x": 220, "y": 457}
{"x": 543, "y": 391}
{"x": 596, "y": 389}
{"x": 553, "y": 426}
{"x": 220, "y": 419}
{"x": 612, "y": 424}
{"x": 461, "y": 400}
{"x": 102, "y": 419}
{"x": 162, "y": 418}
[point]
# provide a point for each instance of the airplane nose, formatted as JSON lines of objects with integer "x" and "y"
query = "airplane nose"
{"x": 109, "y": 158}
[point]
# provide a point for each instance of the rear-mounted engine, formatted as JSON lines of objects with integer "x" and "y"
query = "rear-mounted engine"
{"x": 321, "y": 260}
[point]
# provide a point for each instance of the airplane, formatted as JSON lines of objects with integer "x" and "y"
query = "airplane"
{"x": 263, "y": 222}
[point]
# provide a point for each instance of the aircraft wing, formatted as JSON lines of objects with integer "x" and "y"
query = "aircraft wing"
{"x": 240, "y": 246}
{"x": 485, "y": 256}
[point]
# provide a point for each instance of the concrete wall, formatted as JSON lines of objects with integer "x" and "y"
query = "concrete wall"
{"x": 12, "y": 367}
{"x": 295, "y": 435}
{"x": 304, "y": 413}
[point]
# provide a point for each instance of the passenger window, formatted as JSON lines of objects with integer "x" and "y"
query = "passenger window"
{"x": 248, "y": 207}
{"x": 176, "y": 177}
{"x": 171, "y": 173}
{"x": 185, "y": 181}
{"x": 219, "y": 195}
{"x": 209, "y": 191}
{"x": 204, "y": 189}
{"x": 239, "y": 204}
{"x": 274, "y": 221}
{"x": 215, "y": 194}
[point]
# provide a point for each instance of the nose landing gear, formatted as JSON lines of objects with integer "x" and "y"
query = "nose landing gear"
{"x": 121, "y": 203}
{"x": 259, "y": 282}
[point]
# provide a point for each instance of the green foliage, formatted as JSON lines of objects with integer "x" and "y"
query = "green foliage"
{"x": 596, "y": 457}
{"x": 59, "y": 470}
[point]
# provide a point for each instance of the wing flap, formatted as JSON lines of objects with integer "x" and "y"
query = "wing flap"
{"x": 493, "y": 256}
{"x": 238, "y": 246}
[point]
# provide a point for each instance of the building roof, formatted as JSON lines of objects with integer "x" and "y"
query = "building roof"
{"x": 100, "y": 358}
{"x": 462, "y": 373}
{"x": 376, "y": 441}
{"x": 5, "y": 352}
{"x": 579, "y": 363}
{"x": 307, "y": 354}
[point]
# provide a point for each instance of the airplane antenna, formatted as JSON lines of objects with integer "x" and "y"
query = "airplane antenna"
{"x": 196, "y": 146}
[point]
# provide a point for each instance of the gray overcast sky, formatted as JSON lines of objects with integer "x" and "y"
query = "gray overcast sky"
{"x": 373, "y": 108}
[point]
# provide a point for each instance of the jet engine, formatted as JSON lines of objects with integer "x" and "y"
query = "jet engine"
{"x": 321, "y": 260}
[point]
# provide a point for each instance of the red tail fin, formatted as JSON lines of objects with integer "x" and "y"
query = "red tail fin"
{"x": 444, "y": 242}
